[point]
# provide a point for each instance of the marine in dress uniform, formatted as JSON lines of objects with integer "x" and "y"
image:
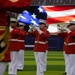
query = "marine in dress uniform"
{"x": 8, "y": 5}
{"x": 40, "y": 35}
{"x": 70, "y": 47}
{"x": 13, "y": 47}
{"x": 63, "y": 34}
{"x": 39, "y": 46}
{"x": 21, "y": 41}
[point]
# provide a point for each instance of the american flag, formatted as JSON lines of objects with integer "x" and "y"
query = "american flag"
{"x": 60, "y": 14}
{"x": 32, "y": 15}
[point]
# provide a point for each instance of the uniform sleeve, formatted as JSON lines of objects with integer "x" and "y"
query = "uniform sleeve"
{"x": 15, "y": 32}
{"x": 72, "y": 34}
{"x": 15, "y": 5}
{"x": 23, "y": 34}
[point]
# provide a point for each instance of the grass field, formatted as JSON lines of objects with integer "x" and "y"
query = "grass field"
{"x": 55, "y": 64}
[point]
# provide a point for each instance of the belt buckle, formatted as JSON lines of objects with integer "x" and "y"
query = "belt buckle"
{"x": 37, "y": 41}
{"x": 66, "y": 44}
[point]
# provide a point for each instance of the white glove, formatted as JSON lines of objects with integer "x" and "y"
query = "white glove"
{"x": 30, "y": 30}
{"x": 30, "y": 26}
{"x": 59, "y": 28}
{"x": 68, "y": 30}
{"x": 37, "y": 28}
{"x": 59, "y": 31}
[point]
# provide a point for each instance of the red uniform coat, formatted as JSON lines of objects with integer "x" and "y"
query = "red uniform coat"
{"x": 21, "y": 39}
{"x": 14, "y": 35}
{"x": 40, "y": 40}
{"x": 8, "y": 5}
{"x": 70, "y": 43}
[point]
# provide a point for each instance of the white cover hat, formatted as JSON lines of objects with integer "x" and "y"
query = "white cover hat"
{"x": 42, "y": 21}
{"x": 20, "y": 23}
{"x": 13, "y": 19}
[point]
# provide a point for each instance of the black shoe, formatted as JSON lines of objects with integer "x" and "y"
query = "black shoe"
{"x": 20, "y": 69}
{"x": 65, "y": 73}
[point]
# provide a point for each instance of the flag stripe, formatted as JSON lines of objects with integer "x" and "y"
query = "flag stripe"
{"x": 57, "y": 14}
{"x": 61, "y": 13}
{"x": 60, "y": 19}
{"x": 58, "y": 8}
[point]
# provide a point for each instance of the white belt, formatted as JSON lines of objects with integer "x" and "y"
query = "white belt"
{"x": 21, "y": 40}
{"x": 14, "y": 40}
{"x": 69, "y": 43}
{"x": 40, "y": 42}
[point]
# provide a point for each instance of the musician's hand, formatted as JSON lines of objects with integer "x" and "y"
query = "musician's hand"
{"x": 67, "y": 30}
